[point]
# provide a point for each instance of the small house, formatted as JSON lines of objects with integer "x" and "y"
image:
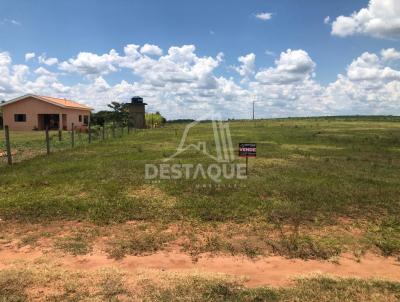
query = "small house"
{"x": 35, "y": 112}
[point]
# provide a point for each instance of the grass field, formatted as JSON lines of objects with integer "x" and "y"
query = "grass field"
{"x": 318, "y": 188}
{"x": 29, "y": 144}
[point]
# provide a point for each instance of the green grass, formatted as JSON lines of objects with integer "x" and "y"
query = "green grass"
{"x": 308, "y": 173}
{"x": 28, "y": 144}
{"x": 314, "y": 289}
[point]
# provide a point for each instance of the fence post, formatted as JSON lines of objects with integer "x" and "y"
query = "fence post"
{"x": 103, "y": 134}
{"x": 8, "y": 145}
{"x": 90, "y": 133}
{"x": 59, "y": 135}
{"x": 47, "y": 140}
{"x": 72, "y": 136}
{"x": 129, "y": 129}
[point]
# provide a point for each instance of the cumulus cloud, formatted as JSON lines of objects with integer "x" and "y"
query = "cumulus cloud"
{"x": 370, "y": 67}
{"x": 29, "y": 56}
{"x": 390, "y": 54}
{"x": 327, "y": 19}
{"x": 150, "y": 49}
{"x": 179, "y": 66}
{"x": 42, "y": 71}
{"x": 47, "y": 61}
{"x": 292, "y": 66}
{"x": 91, "y": 64}
{"x": 246, "y": 69}
{"x": 264, "y": 16}
{"x": 370, "y": 86}
{"x": 12, "y": 77}
{"x": 184, "y": 84}
{"x": 380, "y": 19}
{"x": 5, "y": 59}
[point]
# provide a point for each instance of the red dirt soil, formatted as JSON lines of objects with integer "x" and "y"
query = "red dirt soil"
{"x": 272, "y": 271}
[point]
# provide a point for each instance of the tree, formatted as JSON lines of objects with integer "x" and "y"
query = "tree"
{"x": 120, "y": 113}
{"x": 155, "y": 119}
{"x": 102, "y": 117}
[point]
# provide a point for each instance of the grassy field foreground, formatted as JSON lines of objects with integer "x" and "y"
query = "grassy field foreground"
{"x": 312, "y": 179}
{"x": 319, "y": 187}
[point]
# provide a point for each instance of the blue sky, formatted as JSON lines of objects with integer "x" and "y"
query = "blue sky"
{"x": 63, "y": 29}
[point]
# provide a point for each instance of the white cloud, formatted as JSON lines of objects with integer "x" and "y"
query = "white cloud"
{"x": 5, "y": 59}
{"x": 370, "y": 86}
{"x": 131, "y": 50}
{"x": 91, "y": 64}
{"x": 42, "y": 71}
{"x": 390, "y": 54}
{"x": 327, "y": 19}
{"x": 150, "y": 49}
{"x": 182, "y": 83}
{"x": 12, "y": 77}
{"x": 264, "y": 16}
{"x": 292, "y": 66}
{"x": 29, "y": 56}
{"x": 370, "y": 67}
{"x": 47, "y": 61}
{"x": 380, "y": 19}
{"x": 246, "y": 69}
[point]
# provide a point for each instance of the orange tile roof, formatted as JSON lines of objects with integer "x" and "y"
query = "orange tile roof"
{"x": 65, "y": 102}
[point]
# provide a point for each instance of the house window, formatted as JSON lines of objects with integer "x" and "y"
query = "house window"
{"x": 86, "y": 119}
{"x": 20, "y": 117}
{"x": 80, "y": 118}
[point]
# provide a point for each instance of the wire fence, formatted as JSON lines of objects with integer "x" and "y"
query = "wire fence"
{"x": 17, "y": 146}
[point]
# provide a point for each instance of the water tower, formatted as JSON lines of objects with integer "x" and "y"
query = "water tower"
{"x": 137, "y": 113}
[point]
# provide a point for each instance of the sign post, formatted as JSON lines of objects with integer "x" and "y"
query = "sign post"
{"x": 247, "y": 150}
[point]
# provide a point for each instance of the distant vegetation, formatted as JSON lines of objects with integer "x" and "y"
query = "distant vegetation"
{"x": 154, "y": 120}
{"x": 180, "y": 121}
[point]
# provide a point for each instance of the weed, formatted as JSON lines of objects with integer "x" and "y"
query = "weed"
{"x": 386, "y": 237}
{"x": 112, "y": 285}
{"x": 79, "y": 243}
{"x": 137, "y": 242}
{"x": 305, "y": 247}
{"x": 30, "y": 240}
{"x": 13, "y": 284}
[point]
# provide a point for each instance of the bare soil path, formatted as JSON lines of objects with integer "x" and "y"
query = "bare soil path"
{"x": 272, "y": 271}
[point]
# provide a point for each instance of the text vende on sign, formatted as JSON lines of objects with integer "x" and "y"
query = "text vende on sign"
{"x": 247, "y": 150}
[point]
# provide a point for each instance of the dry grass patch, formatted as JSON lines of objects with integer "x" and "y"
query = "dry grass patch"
{"x": 138, "y": 239}
{"x": 78, "y": 243}
{"x": 44, "y": 281}
{"x": 257, "y": 238}
{"x": 153, "y": 194}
